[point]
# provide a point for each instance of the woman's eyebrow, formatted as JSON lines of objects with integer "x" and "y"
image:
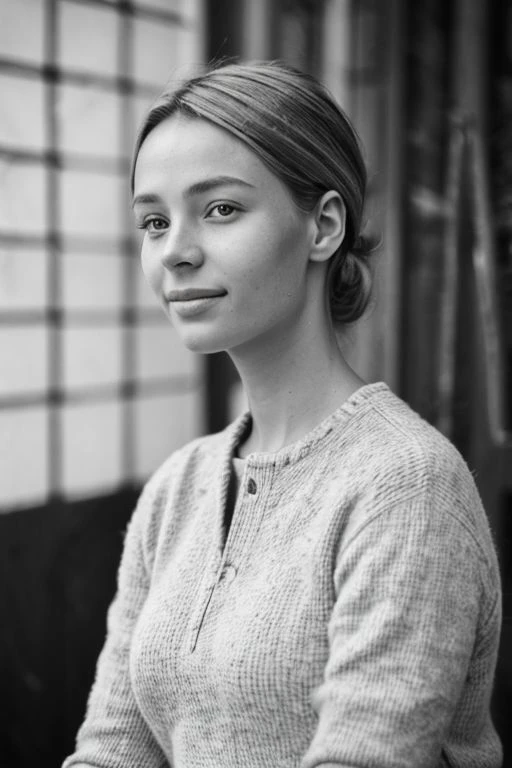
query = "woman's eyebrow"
{"x": 196, "y": 189}
{"x": 140, "y": 199}
{"x": 217, "y": 181}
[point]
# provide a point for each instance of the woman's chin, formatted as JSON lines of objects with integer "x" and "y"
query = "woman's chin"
{"x": 209, "y": 340}
{"x": 202, "y": 344}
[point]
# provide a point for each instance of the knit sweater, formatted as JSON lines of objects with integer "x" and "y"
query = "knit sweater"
{"x": 351, "y": 616}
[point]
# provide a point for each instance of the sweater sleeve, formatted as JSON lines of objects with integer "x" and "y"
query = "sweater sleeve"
{"x": 401, "y": 635}
{"x": 114, "y": 734}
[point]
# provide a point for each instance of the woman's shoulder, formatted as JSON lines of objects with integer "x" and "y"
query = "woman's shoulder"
{"x": 201, "y": 449}
{"x": 398, "y": 456}
{"x": 189, "y": 468}
{"x": 394, "y": 438}
{"x": 198, "y": 457}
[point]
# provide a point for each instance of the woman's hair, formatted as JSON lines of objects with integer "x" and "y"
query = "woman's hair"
{"x": 292, "y": 123}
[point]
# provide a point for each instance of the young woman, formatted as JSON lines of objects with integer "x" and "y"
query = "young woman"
{"x": 316, "y": 585}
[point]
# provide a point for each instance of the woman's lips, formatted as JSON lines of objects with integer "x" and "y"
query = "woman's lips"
{"x": 188, "y": 302}
{"x": 190, "y": 294}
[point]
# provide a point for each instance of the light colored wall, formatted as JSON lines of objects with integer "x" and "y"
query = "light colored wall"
{"x": 95, "y": 388}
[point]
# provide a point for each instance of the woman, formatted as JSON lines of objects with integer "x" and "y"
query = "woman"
{"x": 316, "y": 585}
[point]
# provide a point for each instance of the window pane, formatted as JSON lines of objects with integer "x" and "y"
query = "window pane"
{"x": 91, "y": 204}
{"x": 23, "y": 278}
{"x": 92, "y": 281}
{"x": 160, "y": 353}
{"x": 88, "y": 38}
{"x": 22, "y": 198}
{"x": 22, "y": 113}
{"x": 92, "y": 356}
{"x": 187, "y": 9}
{"x": 161, "y": 5}
{"x": 23, "y": 457}
{"x": 21, "y": 30}
{"x": 88, "y": 121}
{"x": 140, "y": 106}
{"x": 191, "y": 50}
{"x": 163, "y": 424}
{"x": 91, "y": 448}
{"x": 23, "y": 360}
{"x": 162, "y": 40}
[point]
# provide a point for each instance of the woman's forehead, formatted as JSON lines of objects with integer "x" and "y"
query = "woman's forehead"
{"x": 185, "y": 151}
{"x": 185, "y": 139}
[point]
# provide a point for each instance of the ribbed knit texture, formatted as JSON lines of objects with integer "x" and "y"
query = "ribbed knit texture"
{"x": 351, "y": 617}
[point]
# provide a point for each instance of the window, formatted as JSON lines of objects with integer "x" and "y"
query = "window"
{"x": 94, "y": 389}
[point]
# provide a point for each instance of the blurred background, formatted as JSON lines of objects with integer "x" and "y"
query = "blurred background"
{"x": 95, "y": 390}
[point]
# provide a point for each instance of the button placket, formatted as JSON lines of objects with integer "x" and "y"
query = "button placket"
{"x": 226, "y": 571}
{"x": 204, "y": 605}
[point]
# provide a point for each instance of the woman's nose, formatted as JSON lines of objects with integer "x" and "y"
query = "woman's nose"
{"x": 180, "y": 250}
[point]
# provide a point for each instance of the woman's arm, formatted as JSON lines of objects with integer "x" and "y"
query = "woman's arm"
{"x": 409, "y": 598}
{"x": 114, "y": 734}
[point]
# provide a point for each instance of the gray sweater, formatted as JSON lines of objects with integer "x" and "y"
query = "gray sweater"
{"x": 351, "y": 617}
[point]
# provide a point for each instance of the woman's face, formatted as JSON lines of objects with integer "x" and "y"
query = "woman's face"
{"x": 225, "y": 248}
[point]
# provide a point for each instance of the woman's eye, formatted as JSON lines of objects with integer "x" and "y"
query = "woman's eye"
{"x": 153, "y": 224}
{"x": 221, "y": 210}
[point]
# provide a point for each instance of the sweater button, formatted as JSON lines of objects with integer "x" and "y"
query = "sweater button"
{"x": 251, "y": 486}
{"x": 228, "y": 574}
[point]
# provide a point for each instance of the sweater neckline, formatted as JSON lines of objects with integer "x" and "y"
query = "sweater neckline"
{"x": 299, "y": 448}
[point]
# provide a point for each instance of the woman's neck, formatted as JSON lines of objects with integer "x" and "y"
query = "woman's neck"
{"x": 292, "y": 385}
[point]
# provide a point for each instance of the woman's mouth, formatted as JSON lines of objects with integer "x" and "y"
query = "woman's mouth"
{"x": 188, "y": 302}
{"x": 190, "y": 294}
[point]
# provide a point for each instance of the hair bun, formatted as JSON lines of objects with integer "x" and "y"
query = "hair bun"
{"x": 364, "y": 245}
{"x": 350, "y": 280}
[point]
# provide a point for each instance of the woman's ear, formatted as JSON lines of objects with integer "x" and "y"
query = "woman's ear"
{"x": 329, "y": 226}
